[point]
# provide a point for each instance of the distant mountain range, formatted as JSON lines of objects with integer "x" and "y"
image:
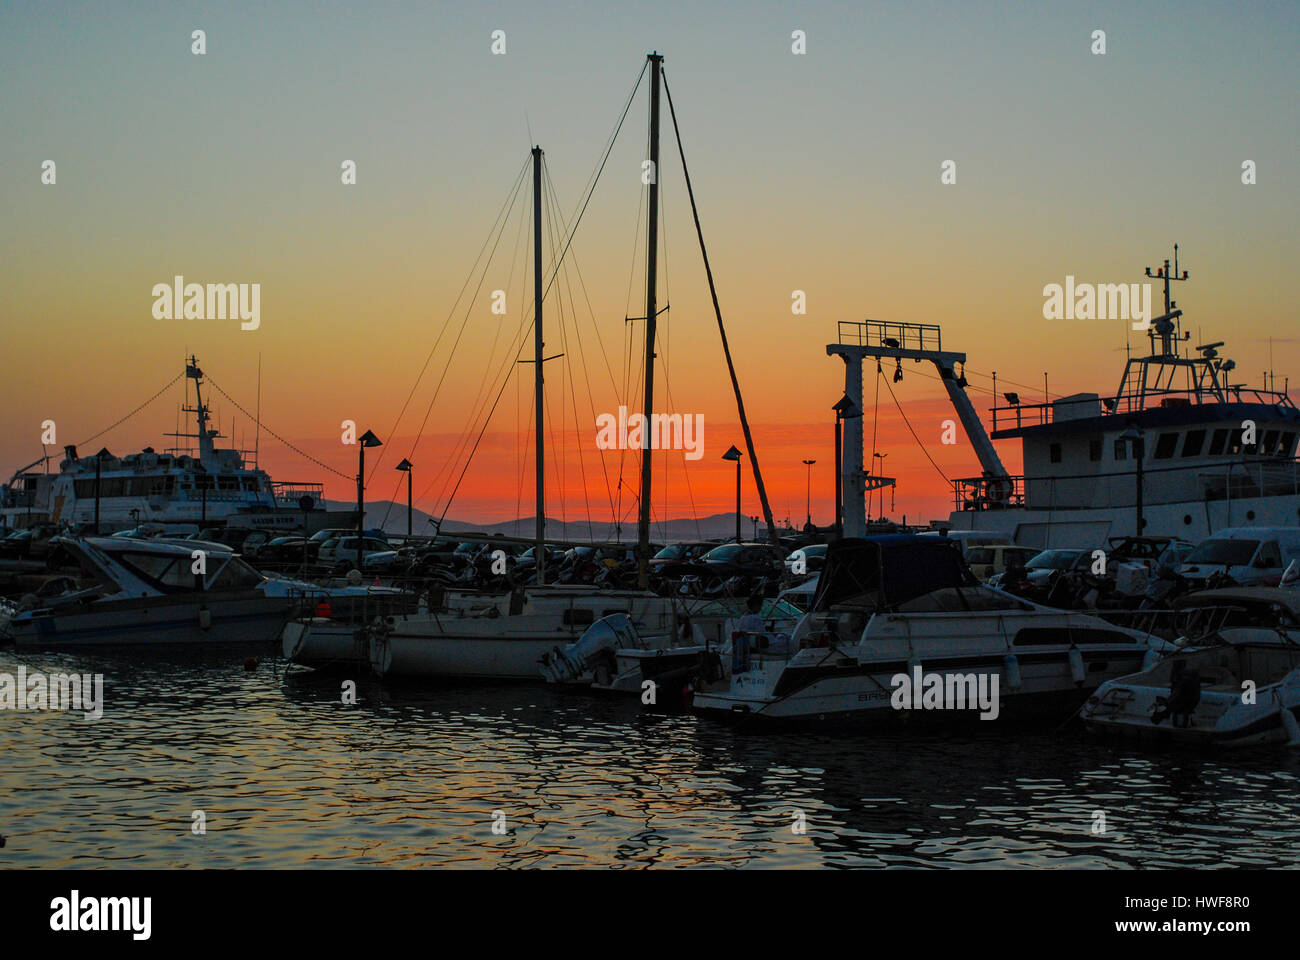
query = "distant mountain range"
{"x": 391, "y": 517}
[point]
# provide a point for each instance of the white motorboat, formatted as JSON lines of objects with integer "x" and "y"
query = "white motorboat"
{"x": 899, "y": 628}
{"x": 1235, "y": 683}
{"x": 506, "y": 637}
{"x": 146, "y": 591}
{"x": 159, "y": 592}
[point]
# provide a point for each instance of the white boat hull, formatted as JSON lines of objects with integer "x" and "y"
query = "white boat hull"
{"x": 243, "y": 618}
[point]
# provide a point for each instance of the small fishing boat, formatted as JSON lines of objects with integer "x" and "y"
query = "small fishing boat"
{"x": 1235, "y": 683}
{"x": 899, "y": 628}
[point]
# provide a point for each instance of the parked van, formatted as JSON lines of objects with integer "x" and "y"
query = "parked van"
{"x": 1255, "y": 556}
{"x": 986, "y": 560}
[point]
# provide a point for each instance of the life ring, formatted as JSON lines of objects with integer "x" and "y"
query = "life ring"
{"x": 996, "y": 490}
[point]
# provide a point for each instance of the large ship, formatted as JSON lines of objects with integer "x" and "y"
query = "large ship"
{"x": 1177, "y": 450}
{"x": 207, "y": 486}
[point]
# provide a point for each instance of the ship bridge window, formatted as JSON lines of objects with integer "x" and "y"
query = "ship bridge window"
{"x": 1218, "y": 442}
{"x": 1193, "y": 443}
{"x": 1054, "y": 452}
{"x": 1166, "y": 445}
{"x": 225, "y": 482}
{"x": 1269, "y": 447}
{"x": 1094, "y": 450}
{"x": 1121, "y": 450}
{"x": 1286, "y": 445}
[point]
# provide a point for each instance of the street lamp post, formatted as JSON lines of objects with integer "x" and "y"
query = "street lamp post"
{"x": 808, "y": 491}
{"x": 405, "y": 467}
{"x": 734, "y": 454}
{"x": 367, "y": 439}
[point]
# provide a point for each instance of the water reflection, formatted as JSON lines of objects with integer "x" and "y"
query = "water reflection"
{"x": 286, "y": 774}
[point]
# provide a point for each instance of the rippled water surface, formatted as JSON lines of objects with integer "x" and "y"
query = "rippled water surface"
{"x": 288, "y": 776}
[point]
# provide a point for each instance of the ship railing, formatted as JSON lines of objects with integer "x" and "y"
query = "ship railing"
{"x": 988, "y": 493}
{"x": 289, "y": 492}
{"x": 1129, "y": 402}
{"x": 899, "y": 336}
{"x": 1251, "y": 477}
{"x": 1238, "y": 478}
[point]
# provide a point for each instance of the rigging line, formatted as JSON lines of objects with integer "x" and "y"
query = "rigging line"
{"x": 452, "y": 312}
{"x": 601, "y": 169}
{"x": 582, "y": 354}
{"x": 686, "y": 473}
{"x": 486, "y": 421}
{"x": 300, "y": 452}
{"x": 914, "y": 436}
{"x": 503, "y": 374}
{"x": 520, "y": 462}
{"x": 118, "y": 423}
{"x": 463, "y": 325}
{"x": 582, "y": 284}
{"x": 722, "y": 333}
{"x": 383, "y": 524}
{"x": 568, "y": 365}
{"x": 595, "y": 180}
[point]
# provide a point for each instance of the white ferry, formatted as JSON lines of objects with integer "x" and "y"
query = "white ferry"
{"x": 108, "y": 493}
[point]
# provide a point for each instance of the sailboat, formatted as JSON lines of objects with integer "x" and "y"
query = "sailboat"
{"x": 509, "y": 637}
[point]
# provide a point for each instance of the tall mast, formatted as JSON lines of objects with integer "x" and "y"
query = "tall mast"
{"x": 540, "y": 547}
{"x": 652, "y": 251}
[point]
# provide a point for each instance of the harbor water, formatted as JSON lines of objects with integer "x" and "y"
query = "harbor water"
{"x": 198, "y": 761}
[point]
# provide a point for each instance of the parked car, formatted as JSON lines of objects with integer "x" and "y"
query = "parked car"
{"x": 29, "y": 543}
{"x": 341, "y": 551}
{"x": 281, "y": 551}
{"x": 680, "y": 552}
{"x": 809, "y": 559}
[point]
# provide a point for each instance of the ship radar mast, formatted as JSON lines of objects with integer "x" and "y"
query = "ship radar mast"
{"x": 204, "y": 435}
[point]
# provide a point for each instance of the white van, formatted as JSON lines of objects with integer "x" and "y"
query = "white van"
{"x": 1255, "y": 556}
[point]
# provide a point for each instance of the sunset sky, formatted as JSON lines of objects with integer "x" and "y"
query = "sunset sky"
{"x": 817, "y": 172}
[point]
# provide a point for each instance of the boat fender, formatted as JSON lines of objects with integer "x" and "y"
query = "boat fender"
{"x": 1011, "y": 667}
{"x": 205, "y": 618}
{"x": 1077, "y": 672}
